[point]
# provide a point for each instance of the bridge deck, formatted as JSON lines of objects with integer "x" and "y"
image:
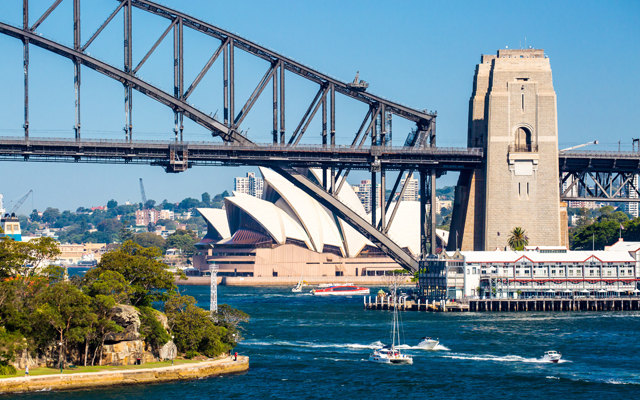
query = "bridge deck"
{"x": 206, "y": 153}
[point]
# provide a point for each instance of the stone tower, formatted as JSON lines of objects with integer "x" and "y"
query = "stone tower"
{"x": 513, "y": 117}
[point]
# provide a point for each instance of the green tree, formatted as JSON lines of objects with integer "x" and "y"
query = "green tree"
{"x": 206, "y": 199}
{"x": 50, "y": 215}
{"x": 147, "y": 277}
{"x": 111, "y": 204}
{"x": 518, "y": 239}
{"x": 150, "y": 204}
{"x": 183, "y": 240}
{"x": 22, "y": 259}
{"x": 68, "y": 311}
{"x": 34, "y": 216}
{"x": 193, "y": 328}
{"x": 148, "y": 239}
{"x": 110, "y": 226}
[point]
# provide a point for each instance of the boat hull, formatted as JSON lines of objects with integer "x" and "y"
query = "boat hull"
{"x": 428, "y": 344}
{"x": 345, "y": 293}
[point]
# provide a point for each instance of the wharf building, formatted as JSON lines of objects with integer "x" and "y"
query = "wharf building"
{"x": 538, "y": 271}
{"x": 286, "y": 233}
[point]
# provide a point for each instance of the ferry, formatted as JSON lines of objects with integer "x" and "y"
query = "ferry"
{"x": 341, "y": 290}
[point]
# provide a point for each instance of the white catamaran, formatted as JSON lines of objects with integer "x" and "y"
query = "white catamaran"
{"x": 390, "y": 354}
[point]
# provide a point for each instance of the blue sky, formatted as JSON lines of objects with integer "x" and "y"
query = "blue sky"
{"x": 419, "y": 53}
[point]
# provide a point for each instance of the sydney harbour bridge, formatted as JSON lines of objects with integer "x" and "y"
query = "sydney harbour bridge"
{"x": 599, "y": 176}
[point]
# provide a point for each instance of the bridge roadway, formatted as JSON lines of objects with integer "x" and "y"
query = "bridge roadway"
{"x": 177, "y": 156}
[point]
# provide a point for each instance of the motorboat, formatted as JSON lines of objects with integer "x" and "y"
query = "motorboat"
{"x": 341, "y": 290}
{"x": 552, "y": 356}
{"x": 390, "y": 354}
{"x": 428, "y": 343}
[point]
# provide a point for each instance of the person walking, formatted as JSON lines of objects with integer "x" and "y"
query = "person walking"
{"x": 26, "y": 371}
{"x": 235, "y": 356}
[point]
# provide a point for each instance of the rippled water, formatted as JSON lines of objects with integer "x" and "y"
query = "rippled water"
{"x": 302, "y": 346}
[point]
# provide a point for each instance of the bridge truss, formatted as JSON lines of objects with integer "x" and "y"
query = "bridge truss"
{"x": 599, "y": 176}
{"x": 419, "y": 153}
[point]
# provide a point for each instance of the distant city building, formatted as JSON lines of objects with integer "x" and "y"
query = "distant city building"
{"x": 631, "y": 208}
{"x": 167, "y": 214}
{"x": 101, "y": 208}
{"x": 144, "y": 217}
{"x": 412, "y": 192}
{"x": 441, "y": 203}
{"x": 249, "y": 185}
{"x": 363, "y": 191}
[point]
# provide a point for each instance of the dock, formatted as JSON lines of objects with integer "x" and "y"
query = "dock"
{"x": 505, "y": 305}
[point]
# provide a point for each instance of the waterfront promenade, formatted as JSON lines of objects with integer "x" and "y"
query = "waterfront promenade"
{"x": 88, "y": 380}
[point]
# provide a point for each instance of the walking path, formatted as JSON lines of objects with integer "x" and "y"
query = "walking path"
{"x": 84, "y": 380}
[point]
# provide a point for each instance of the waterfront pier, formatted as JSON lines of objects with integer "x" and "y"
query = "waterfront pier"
{"x": 506, "y": 305}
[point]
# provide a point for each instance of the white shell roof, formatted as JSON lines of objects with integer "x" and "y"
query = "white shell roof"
{"x": 405, "y": 228}
{"x": 355, "y": 240}
{"x": 274, "y": 220}
{"x": 317, "y": 223}
{"x": 218, "y": 219}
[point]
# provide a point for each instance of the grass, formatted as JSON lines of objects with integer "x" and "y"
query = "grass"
{"x": 97, "y": 368}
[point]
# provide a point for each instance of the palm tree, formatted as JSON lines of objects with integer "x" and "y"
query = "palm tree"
{"x": 518, "y": 239}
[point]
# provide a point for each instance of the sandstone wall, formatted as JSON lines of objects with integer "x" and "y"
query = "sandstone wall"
{"x": 123, "y": 377}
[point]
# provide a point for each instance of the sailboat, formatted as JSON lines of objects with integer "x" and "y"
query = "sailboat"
{"x": 390, "y": 354}
{"x": 298, "y": 287}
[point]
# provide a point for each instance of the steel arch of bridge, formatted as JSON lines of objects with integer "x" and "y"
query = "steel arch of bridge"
{"x": 229, "y": 128}
{"x": 373, "y": 126}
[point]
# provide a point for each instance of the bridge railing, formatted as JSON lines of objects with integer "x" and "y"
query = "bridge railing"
{"x": 257, "y": 147}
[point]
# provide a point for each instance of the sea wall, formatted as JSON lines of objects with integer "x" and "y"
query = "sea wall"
{"x": 123, "y": 377}
{"x": 288, "y": 280}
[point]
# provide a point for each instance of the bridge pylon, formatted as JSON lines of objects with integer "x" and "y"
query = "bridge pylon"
{"x": 513, "y": 117}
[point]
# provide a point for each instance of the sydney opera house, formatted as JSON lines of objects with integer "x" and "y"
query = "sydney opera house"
{"x": 286, "y": 233}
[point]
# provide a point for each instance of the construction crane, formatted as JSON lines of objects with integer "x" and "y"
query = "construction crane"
{"x": 20, "y": 202}
{"x": 578, "y": 146}
{"x": 144, "y": 196}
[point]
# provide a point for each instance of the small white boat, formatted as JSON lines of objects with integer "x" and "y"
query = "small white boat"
{"x": 552, "y": 356}
{"x": 428, "y": 343}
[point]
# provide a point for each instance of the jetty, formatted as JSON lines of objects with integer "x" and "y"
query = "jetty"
{"x": 505, "y": 305}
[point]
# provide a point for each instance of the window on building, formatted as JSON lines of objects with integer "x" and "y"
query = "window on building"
{"x": 609, "y": 273}
{"x": 630, "y": 272}
{"x": 591, "y": 273}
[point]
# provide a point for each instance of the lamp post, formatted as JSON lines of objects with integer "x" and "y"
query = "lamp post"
{"x": 172, "y": 355}
{"x": 60, "y": 344}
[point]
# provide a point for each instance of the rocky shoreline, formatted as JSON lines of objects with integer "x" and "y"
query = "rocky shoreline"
{"x": 124, "y": 377}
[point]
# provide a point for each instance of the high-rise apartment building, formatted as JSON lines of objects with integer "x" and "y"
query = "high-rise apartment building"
{"x": 363, "y": 191}
{"x": 631, "y": 208}
{"x": 249, "y": 185}
{"x": 412, "y": 192}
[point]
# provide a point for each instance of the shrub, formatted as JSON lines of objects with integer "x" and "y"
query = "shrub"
{"x": 190, "y": 354}
{"x": 8, "y": 370}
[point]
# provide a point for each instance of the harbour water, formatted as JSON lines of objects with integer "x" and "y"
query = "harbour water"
{"x": 303, "y": 346}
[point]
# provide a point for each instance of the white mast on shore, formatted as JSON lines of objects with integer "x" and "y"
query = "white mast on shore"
{"x": 213, "y": 307}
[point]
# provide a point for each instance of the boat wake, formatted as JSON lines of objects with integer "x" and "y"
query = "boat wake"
{"x": 312, "y": 345}
{"x": 508, "y": 358}
{"x": 438, "y": 347}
